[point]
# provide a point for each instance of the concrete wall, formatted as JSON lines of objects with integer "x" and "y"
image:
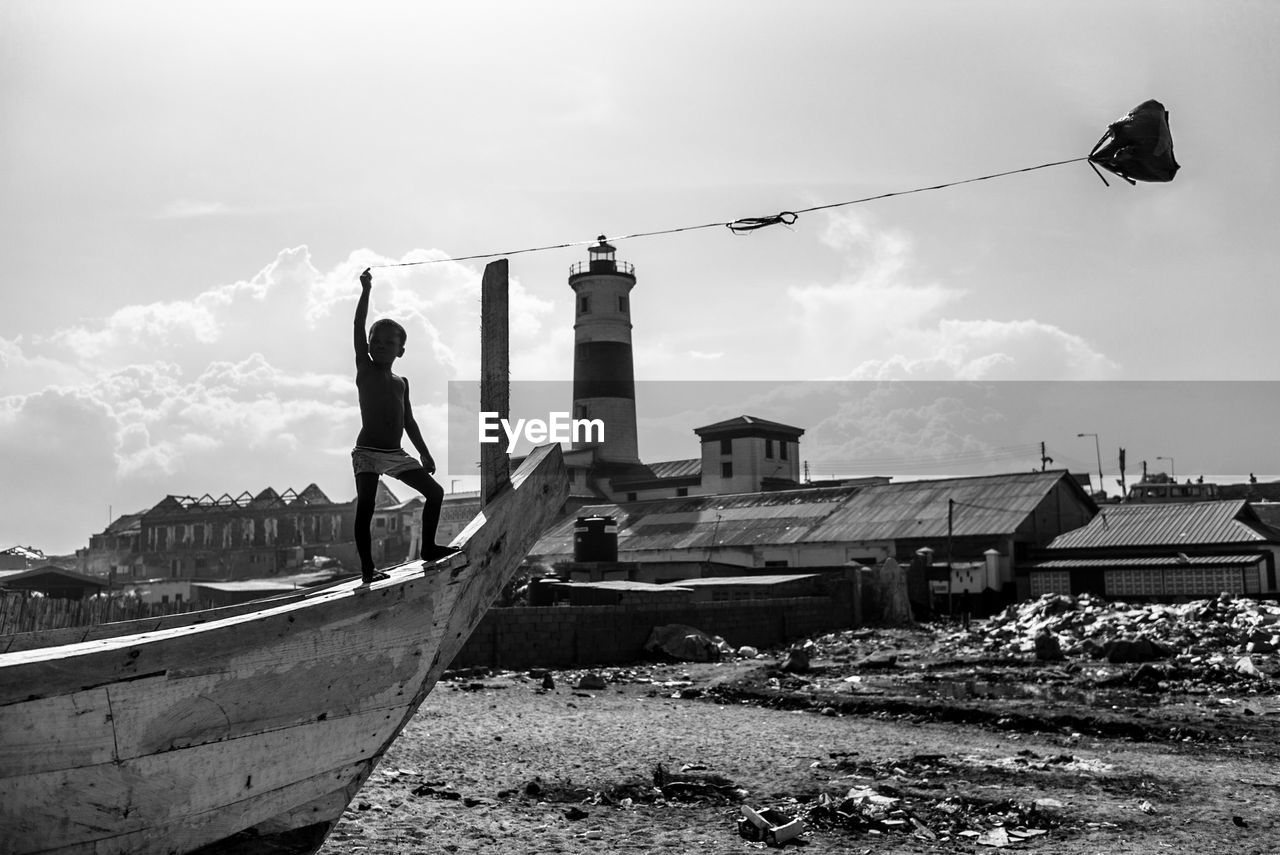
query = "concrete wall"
{"x": 569, "y": 636}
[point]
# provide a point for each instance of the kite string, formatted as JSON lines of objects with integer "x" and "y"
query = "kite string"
{"x": 743, "y": 225}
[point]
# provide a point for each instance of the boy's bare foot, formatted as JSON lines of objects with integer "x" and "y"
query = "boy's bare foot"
{"x": 435, "y": 552}
{"x": 370, "y": 576}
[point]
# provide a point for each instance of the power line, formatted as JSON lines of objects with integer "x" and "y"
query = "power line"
{"x": 742, "y": 225}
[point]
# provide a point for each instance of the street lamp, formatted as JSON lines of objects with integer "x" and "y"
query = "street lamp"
{"x": 1173, "y": 476}
{"x": 1098, "y": 451}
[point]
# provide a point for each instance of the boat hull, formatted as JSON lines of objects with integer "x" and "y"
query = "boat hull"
{"x": 254, "y": 730}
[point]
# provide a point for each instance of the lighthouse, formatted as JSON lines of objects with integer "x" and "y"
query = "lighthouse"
{"x": 604, "y": 386}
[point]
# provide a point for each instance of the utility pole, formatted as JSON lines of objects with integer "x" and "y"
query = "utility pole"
{"x": 1097, "y": 450}
{"x": 951, "y": 512}
{"x": 1044, "y": 458}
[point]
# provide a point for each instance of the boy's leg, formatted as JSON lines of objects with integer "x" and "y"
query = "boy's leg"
{"x": 366, "y": 495}
{"x": 433, "y": 494}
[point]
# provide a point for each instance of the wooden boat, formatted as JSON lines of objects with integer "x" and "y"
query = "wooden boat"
{"x": 248, "y": 728}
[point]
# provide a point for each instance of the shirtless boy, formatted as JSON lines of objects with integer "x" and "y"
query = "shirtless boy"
{"x": 385, "y": 416}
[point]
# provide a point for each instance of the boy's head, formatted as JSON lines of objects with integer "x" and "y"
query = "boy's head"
{"x": 386, "y": 341}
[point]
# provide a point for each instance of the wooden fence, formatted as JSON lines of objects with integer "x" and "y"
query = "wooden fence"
{"x": 21, "y": 612}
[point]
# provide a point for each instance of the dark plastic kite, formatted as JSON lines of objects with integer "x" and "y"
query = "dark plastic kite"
{"x": 1138, "y": 147}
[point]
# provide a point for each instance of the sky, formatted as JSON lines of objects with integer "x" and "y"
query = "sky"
{"x": 189, "y": 191}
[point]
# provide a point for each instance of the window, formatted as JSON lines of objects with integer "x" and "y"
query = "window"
{"x": 622, "y": 303}
{"x": 782, "y": 450}
{"x": 726, "y": 469}
{"x": 177, "y": 598}
{"x": 392, "y": 525}
{"x": 726, "y": 446}
{"x": 631, "y": 497}
{"x": 584, "y": 305}
{"x": 682, "y": 491}
{"x": 768, "y": 448}
{"x": 782, "y": 563}
{"x": 164, "y": 598}
{"x": 380, "y": 522}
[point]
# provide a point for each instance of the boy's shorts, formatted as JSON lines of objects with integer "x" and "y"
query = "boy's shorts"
{"x": 382, "y": 461}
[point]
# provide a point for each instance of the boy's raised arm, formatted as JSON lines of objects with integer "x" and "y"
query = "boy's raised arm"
{"x": 362, "y": 314}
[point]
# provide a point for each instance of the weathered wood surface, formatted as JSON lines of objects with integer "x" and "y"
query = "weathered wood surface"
{"x": 495, "y": 371}
{"x": 15, "y": 642}
{"x": 172, "y": 739}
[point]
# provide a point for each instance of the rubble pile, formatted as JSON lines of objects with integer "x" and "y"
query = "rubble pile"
{"x": 1084, "y": 625}
{"x": 890, "y": 805}
{"x": 692, "y": 783}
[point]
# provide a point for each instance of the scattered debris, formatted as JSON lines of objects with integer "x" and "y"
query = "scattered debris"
{"x": 592, "y": 680}
{"x": 799, "y": 656}
{"x": 693, "y": 783}
{"x": 684, "y": 643}
{"x": 769, "y": 825}
{"x": 1047, "y": 648}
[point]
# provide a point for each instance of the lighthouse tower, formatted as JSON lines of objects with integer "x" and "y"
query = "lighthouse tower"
{"x": 604, "y": 384}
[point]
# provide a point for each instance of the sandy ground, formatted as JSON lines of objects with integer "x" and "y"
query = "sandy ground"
{"x": 497, "y": 764}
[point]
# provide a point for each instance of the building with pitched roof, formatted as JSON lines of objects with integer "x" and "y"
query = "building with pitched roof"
{"x": 1162, "y": 551}
{"x": 52, "y": 581}
{"x": 994, "y": 520}
{"x": 246, "y": 536}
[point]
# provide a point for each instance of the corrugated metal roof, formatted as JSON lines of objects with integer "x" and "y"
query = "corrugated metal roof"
{"x": 1161, "y": 561}
{"x": 719, "y": 581}
{"x": 703, "y": 522}
{"x": 621, "y": 585}
{"x": 986, "y": 505}
{"x": 1165, "y": 524}
{"x": 677, "y": 468}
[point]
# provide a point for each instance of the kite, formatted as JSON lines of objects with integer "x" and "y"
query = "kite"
{"x": 1138, "y": 147}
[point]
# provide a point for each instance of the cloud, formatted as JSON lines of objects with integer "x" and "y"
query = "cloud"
{"x": 992, "y": 350}
{"x": 244, "y": 385}
{"x": 891, "y": 325}
{"x": 22, "y": 372}
{"x": 57, "y": 447}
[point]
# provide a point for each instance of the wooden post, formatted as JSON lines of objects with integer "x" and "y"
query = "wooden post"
{"x": 495, "y": 360}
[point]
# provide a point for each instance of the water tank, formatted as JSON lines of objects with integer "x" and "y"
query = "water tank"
{"x": 595, "y": 538}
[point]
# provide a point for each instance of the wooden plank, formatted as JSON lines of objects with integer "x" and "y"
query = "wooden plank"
{"x": 281, "y": 634}
{"x": 321, "y": 798}
{"x": 374, "y": 670}
{"x": 505, "y": 529}
{"x": 495, "y": 371}
{"x": 30, "y": 745}
{"x": 66, "y": 807}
